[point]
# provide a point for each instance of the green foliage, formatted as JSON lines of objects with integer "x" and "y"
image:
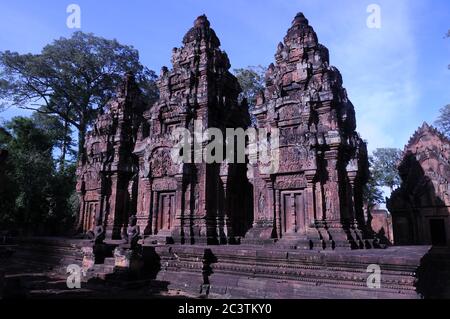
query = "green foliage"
{"x": 63, "y": 201}
{"x": 30, "y": 170}
{"x": 71, "y": 79}
{"x": 372, "y": 192}
{"x": 252, "y": 81}
{"x": 60, "y": 134}
{"x": 385, "y": 163}
{"x": 383, "y": 173}
{"x": 67, "y": 84}
{"x": 443, "y": 121}
{"x": 36, "y": 195}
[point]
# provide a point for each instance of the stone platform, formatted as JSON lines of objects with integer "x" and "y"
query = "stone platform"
{"x": 248, "y": 271}
{"x": 269, "y": 272}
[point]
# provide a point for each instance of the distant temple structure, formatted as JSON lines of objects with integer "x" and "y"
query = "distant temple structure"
{"x": 420, "y": 208}
{"x": 314, "y": 200}
{"x": 381, "y": 224}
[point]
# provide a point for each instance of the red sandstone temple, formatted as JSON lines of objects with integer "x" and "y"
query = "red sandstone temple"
{"x": 227, "y": 229}
{"x": 421, "y": 206}
{"x": 314, "y": 200}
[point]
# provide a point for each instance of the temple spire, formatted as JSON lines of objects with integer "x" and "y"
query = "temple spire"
{"x": 202, "y": 31}
{"x": 300, "y": 19}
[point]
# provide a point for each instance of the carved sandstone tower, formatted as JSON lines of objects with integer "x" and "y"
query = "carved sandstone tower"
{"x": 107, "y": 173}
{"x": 192, "y": 202}
{"x": 315, "y": 197}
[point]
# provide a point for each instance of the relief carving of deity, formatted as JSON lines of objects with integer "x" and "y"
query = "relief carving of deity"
{"x": 196, "y": 201}
{"x": 261, "y": 202}
{"x": 161, "y": 163}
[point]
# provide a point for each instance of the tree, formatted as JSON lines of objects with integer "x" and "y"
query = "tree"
{"x": 29, "y": 173}
{"x": 252, "y": 81}
{"x": 372, "y": 192}
{"x": 71, "y": 79}
{"x": 60, "y": 134}
{"x": 63, "y": 202}
{"x": 385, "y": 163}
{"x": 443, "y": 121}
{"x": 7, "y": 191}
{"x": 38, "y": 197}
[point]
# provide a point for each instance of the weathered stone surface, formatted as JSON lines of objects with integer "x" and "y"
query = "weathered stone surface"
{"x": 192, "y": 202}
{"x": 420, "y": 208}
{"x": 251, "y": 271}
{"x": 315, "y": 199}
{"x": 107, "y": 175}
{"x": 272, "y": 272}
{"x": 298, "y": 216}
{"x": 382, "y": 225}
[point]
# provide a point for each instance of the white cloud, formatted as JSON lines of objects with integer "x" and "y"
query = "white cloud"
{"x": 379, "y": 68}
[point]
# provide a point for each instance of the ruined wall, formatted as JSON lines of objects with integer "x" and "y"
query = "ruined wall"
{"x": 420, "y": 208}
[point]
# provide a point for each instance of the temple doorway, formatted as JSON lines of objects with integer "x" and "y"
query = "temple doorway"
{"x": 89, "y": 216}
{"x": 292, "y": 212}
{"x": 437, "y": 231}
{"x": 166, "y": 211}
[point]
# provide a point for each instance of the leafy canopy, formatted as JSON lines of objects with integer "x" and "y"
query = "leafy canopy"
{"x": 385, "y": 163}
{"x": 72, "y": 78}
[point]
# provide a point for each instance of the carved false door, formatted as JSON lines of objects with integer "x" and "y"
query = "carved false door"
{"x": 166, "y": 211}
{"x": 89, "y": 216}
{"x": 292, "y": 212}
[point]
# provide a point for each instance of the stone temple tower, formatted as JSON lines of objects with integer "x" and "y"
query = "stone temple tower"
{"x": 312, "y": 200}
{"x": 192, "y": 202}
{"x": 107, "y": 173}
{"x": 315, "y": 197}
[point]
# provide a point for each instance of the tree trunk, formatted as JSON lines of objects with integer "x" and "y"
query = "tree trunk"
{"x": 65, "y": 143}
{"x": 81, "y": 139}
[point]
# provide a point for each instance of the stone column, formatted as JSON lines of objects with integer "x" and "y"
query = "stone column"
{"x": 331, "y": 187}
{"x": 224, "y": 219}
{"x": 178, "y": 221}
{"x": 351, "y": 207}
{"x": 154, "y": 212}
{"x": 310, "y": 209}
{"x": 112, "y": 227}
{"x": 143, "y": 205}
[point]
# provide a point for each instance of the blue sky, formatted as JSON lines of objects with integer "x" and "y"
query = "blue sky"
{"x": 396, "y": 76}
